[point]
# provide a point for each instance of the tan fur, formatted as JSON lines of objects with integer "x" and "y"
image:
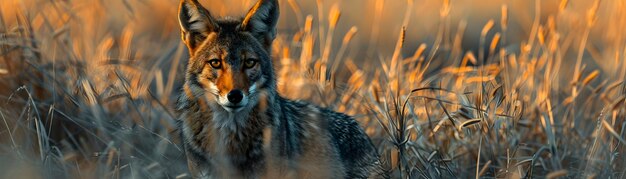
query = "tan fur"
{"x": 230, "y": 80}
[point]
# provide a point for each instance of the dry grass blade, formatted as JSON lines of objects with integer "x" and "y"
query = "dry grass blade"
{"x": 487, "y": 27}
{"x": 484, "y": 169}
{"x": 494, "y": 43}
{"x": 556, "y": 174}
{"x": 480, "y": 147}
{"x": 593, "y": 75}
{"x": 563, "y": 5}
{"x": 608, "y": 127}
{"x": 619, "y": 102}
{"x": 469, "y": 123}
{"x": 523, "y": 162}
{"x": 333, "y": 17}
{"x": 504, "y": 20}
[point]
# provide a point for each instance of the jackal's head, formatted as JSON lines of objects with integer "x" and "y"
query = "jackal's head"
{"x": 230, "y": 58}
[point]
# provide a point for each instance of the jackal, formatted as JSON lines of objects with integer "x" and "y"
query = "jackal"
{"x": 233, "y": 122}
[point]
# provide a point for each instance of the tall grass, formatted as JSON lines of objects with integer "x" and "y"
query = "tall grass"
{"x": 88, "y": 86}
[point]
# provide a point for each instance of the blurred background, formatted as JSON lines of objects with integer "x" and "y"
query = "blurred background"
{"x": 445, "y": 88}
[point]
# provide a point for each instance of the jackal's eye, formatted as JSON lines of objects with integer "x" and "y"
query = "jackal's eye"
{"x": 249, "y": 63}
{"x": 215, "y": 63}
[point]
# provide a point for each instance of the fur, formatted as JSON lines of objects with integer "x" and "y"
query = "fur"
{"x": 263, "y": 135}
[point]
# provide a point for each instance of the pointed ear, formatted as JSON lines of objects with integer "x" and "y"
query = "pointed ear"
{"x": 261, "y": 21}
{"x": 196, "y": 23}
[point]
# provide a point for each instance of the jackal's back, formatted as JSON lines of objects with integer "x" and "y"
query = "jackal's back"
{"x": 341, "y": 135}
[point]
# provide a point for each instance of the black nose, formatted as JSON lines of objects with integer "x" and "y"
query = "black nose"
{"x": 235, "y": 96}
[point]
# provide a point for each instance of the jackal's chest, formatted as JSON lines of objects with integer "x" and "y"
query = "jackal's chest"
{"x": 229, "y": 146}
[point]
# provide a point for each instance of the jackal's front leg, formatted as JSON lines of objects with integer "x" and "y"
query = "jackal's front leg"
{"x": 198, "y": 166}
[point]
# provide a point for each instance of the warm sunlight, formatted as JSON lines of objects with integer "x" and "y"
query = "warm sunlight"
{"x": 429, "y": 89}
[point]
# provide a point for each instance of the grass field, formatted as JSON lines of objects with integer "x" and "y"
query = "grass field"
{"x": 445, "y": 88}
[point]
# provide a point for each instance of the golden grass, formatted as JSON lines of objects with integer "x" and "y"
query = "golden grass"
{"x": 88, "y": 86}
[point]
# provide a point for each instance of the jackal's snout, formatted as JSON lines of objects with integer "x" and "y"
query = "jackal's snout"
{"x": 235, "y": 96}
{"x": 234, "y": 101}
